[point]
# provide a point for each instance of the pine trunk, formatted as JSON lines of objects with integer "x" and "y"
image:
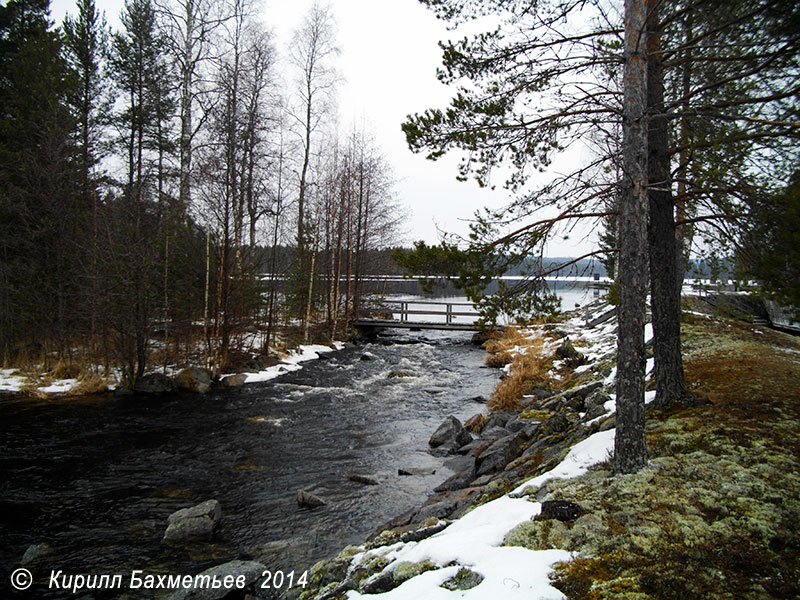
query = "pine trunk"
{"x": 630, "y": 449}
{"x": 664, "y": 257}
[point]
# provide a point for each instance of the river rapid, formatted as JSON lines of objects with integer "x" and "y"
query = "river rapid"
{"x": 96, "y": 478}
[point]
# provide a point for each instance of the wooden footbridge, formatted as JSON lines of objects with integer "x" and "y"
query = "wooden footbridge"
{"x": 418, "y": 314}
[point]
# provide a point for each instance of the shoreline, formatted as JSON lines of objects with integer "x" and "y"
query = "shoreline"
{"x": 19, "y": 386}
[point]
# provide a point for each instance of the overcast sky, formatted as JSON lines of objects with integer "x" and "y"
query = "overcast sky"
{"x": 389, "y": 56}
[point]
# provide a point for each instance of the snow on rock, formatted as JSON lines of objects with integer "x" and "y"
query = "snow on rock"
{"x": 474, "y": 541}
{"x": 291, "y": 363}
{"x": 591, "y": 451}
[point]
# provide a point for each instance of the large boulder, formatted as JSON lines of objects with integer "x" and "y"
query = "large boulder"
{"x": 155, "y": 384}
{"x": 194, "y": 523}
{"x": 451, "y": 434}
{"x": 194, "y": 379}
{"x": 234, "y": 380}
{"x": 500, "y": 453}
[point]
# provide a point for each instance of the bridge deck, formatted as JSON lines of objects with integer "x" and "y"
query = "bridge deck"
{"x": 395, "y": 324}
{"x": 448, "y": 312}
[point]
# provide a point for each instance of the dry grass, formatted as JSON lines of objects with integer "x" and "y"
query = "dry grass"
{"x": 476, "y": 422}
{"x": 499, "y": 360}
{"x": 90, "y": 383}
{"x": 510, "y": 337}
{"x": 65, "y": 370}
{"x": 526, "y": 369}
{"x": 32, "y": 389}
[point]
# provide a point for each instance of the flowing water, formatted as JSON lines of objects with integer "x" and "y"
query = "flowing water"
{"x": 96, "y": 478}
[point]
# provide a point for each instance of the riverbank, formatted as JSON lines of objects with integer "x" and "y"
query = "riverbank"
{"x": 80, "y": 382}
{"x": 714, "y": 515}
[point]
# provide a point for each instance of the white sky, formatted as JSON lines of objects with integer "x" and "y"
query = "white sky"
{"x": 388, "y": 68}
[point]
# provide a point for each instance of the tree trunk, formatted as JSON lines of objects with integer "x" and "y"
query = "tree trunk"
{"x": 630, "y": 449}
{"x": 684, "y": 241}
{"x": 664, "y": 257}
{"x": 184, "y": 186}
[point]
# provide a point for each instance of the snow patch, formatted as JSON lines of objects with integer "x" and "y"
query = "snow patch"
{"x": 474, "y": 541}
{"x": 591, "y": 451}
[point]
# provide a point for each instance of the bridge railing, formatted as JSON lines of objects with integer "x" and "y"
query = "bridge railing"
{"x": 410, "y": 309}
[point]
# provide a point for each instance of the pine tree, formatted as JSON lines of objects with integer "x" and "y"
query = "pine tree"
{"x": 139, "y": 70}
{"x": 38, "y": 219}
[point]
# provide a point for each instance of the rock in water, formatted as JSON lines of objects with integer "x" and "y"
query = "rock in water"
{"x": 194, "y": 379}
{"x": 249, "y": 570}
{"x": 309, "y": 500}
{"x": 35, "y": 552}
{"x": 194, "y": 523}
{"x": 234, "y": 380}
{"x": 452, "y": 433}
{"x": 154, "y": 384}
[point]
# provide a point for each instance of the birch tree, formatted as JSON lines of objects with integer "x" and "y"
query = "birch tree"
{"x": 311, "y": 54}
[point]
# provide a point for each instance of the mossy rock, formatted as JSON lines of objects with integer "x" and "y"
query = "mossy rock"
{"x": 539, "y": 535}
{"x": 384, "y": 538}
{"x": 537, "y": 415}
{"x": 588, "y": 532}
{"x": 494, "y": 490}
{"x": 370, "y": 566}
{"x": 406, "y": 570}
{"x": 333, "y": 570}
{"x": 465, "y": 579}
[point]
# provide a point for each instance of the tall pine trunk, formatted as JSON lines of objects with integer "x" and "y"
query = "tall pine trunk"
{"x": 664, "y": 255}
{"x": 630, "y": 449}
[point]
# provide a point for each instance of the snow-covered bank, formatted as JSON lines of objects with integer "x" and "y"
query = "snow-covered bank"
{"x": 13, "y": 381}
{"x": 475, "y": 542}
{"x": 473, "y": 545}
{"x": 292, "y": 361}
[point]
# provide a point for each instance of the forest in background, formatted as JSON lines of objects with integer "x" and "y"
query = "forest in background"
{"x": 175, "y": 190}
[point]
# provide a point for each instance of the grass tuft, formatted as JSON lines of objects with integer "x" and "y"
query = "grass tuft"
{"x": 526, "y": 370}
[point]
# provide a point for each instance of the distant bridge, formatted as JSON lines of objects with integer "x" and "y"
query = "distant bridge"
{"x": 417, "y": 314}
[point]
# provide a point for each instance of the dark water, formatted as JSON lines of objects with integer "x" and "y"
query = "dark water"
{"x": 97, "y": 478}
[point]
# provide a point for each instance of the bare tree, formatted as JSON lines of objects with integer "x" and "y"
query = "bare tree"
{"x": 311, "y": 53}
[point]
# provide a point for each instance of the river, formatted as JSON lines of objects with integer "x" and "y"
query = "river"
{"x": 96, "y": 477}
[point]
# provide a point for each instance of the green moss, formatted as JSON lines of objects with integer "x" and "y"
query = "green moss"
{"x": 407, "y": 570}
{"x": 384, "y": 538}
{"x": 538, "y": 415}
{"x": 493, "y": 490}
{"x": 465, "y": 579}
{"x": 539, "y": 535}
